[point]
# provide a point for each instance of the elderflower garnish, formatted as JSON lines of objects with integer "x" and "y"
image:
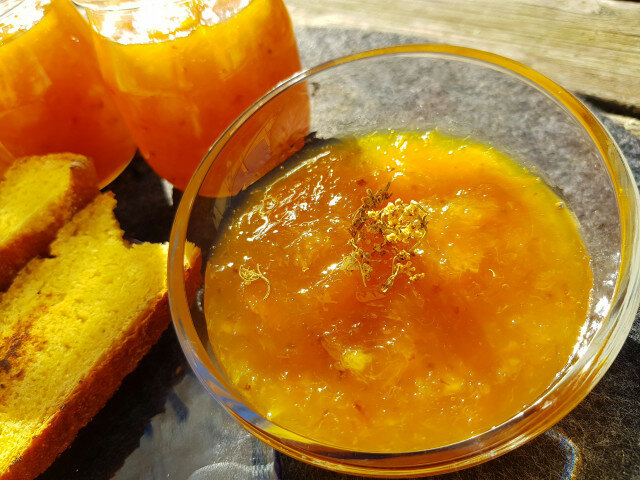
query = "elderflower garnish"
{"x": 248, "y": 276}
{"x": 371, "y": 201}
{"x": 398, "y": 268}
{"x": 358, "y": 259}
{"x": 397, "y": 223}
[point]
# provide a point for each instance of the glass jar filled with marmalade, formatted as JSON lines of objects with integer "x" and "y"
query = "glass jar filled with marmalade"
{"x": 52, "y": 96}
{"x": 183, "y": 70}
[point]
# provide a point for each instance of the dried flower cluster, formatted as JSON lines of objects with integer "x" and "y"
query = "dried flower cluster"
{"x": 249, "y": 275}
{"x": 392, "y": 226}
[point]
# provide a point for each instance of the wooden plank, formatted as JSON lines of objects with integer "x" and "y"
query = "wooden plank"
{"x": 588, "y": 46}
{"x": 631, "y": 124}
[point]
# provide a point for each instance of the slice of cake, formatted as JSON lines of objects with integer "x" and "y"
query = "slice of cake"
{"x": 37, "y": 196}
{"x": 71, "y": 327}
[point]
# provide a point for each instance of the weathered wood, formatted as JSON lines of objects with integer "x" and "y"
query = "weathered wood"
{"x": 588, "y": 46}
{"x": 631, "y": 124}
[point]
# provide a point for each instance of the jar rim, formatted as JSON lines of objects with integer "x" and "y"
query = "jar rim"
{"x": 7, "y": 5}
{"x": 19, "y": 16}
{"x": 121, "y": 5}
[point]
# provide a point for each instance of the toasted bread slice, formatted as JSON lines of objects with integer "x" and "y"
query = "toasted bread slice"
{"x": 71, "y": 327}
{"x": 37, "y": 196}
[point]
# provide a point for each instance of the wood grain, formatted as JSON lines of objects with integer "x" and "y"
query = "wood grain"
{"x": 631, "y": 124}
{"x": 588, "y": 46}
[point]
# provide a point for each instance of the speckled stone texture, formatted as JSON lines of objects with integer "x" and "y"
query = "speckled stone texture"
{"x": 600, "y": 439}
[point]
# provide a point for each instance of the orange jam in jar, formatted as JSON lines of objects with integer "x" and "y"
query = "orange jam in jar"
{"x": 52, "y": 96}
{"x": 183, "y": 70}
{"x": 396, "y": 292}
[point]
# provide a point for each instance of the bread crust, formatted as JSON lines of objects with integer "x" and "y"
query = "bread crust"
{"x": 99, "y": 385}
{"x": 82, "y": 189}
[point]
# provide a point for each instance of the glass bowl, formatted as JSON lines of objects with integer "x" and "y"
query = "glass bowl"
{"x": 462, "y": 92}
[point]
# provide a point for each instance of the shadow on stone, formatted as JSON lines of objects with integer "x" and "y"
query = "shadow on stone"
{"x": 145, "y": 208}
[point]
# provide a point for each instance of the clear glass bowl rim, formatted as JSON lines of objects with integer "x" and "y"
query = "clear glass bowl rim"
{"x": 563, "y": 395}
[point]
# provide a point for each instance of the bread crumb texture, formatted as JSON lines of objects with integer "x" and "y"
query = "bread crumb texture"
{"x": 31, "y": 184}
{"x": 63, "y": 314}
{"x": 37, "y": 196}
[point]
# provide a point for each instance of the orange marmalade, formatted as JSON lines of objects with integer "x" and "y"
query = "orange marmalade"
{"x": 52, "y": 96}
{"x": 183, "y": 70}
{"x": 396, "y": 292}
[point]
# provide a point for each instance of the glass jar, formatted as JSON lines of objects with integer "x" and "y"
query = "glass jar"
{"x": 183, "y": 70}
{"x": 52, "y": 96}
